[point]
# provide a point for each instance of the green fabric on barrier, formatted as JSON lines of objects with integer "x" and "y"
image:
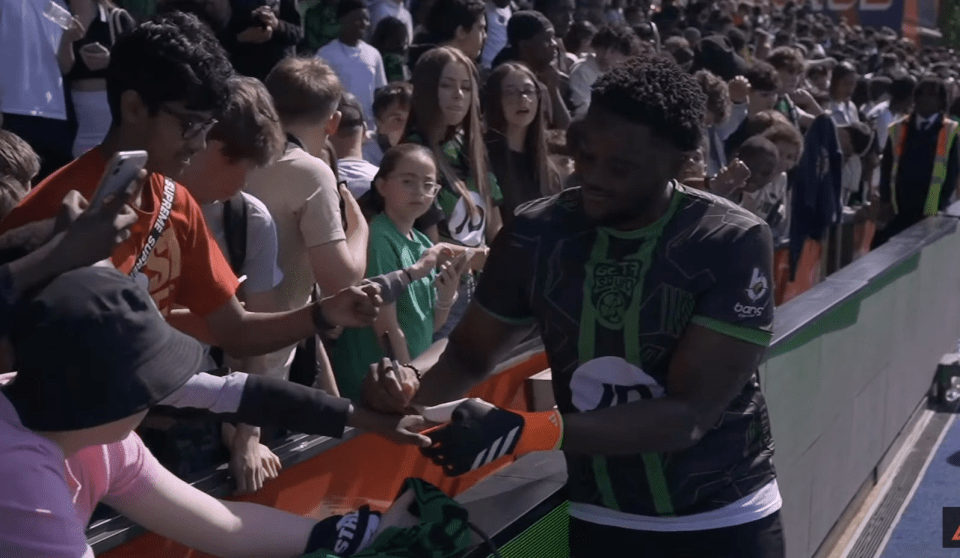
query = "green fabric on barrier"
{"x": 443, "y": 531}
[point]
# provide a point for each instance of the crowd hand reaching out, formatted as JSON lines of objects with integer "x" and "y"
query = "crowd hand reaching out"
{"x": 448, "y": 280}
{"x": 432, "y": 258}
{"x": 251, "y": 463}
{"x": 398, "y": 428}
{"x": 84, "y": 235}
{"x": 739, "y": 89}
{"x": 730, "y": 179}
{"x": 356, "y": 306}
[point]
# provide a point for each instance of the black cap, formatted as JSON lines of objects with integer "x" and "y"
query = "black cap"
{"x": 344, "y": 7}
{"x": 92, "y": 348}
{"x": 525, "y": 25}
{"x": 716, "y": 54}
{"x": 351, "y": 113}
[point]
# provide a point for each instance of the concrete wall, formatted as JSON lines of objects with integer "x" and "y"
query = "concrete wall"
{"x": 850, "y": 361}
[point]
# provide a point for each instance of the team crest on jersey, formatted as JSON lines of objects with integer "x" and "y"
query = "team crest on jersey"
{"x": 614, "y": 286}
{"x": 610, "y": 381}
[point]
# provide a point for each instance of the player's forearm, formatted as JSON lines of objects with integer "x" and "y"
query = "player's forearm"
{"x": 451, "y": 377}
{"x": 657, "y": 425}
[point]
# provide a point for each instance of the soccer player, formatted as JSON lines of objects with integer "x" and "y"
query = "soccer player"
{"x": 655, "y": 306}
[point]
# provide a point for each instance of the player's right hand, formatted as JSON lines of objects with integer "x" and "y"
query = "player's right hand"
{"x": 388, "y": 390}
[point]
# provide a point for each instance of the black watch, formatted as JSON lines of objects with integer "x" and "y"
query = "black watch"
{"x": 319, "y": 320}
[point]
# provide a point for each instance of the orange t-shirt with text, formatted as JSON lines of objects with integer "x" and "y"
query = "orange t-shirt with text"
{"x": 186, "y": 267}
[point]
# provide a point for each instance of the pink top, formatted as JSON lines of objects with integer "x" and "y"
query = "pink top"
{"x": 112, "y": 473}
{"x": 37, "y": 516}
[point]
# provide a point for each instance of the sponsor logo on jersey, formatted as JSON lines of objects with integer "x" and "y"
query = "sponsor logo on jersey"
{"x": 609, "y": 381}
{"x": 614, "y": 286}
{"x": 758, "y": 285}
{"x": 745, "y": 311}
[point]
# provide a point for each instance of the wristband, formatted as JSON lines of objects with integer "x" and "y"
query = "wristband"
{"x": 416, "y": 372}
{"x": 319, "y": 320}
{"x": 541, "y": 432}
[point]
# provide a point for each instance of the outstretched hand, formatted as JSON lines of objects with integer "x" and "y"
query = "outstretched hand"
{"x": 402, "y": 429}
{"x": 85, "y": 235}
{"x": 353, "y": 306}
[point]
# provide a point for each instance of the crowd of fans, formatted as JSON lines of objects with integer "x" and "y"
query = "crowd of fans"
{"x": 333, "y": 155}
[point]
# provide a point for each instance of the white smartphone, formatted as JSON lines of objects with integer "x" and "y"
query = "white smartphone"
{"x": 121, "y": 170}
{"x": 94, "y": 48}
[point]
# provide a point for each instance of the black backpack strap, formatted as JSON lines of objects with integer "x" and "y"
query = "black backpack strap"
{"x": 235, "y": 230}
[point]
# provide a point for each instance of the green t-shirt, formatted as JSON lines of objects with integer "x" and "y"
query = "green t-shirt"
{"x": 357, "y": 349}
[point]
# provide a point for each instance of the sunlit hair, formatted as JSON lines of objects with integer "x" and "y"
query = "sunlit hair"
{"x": 536, "y": 140}
{"x": 249, "y": 126}
{"x": 426, "y": 119}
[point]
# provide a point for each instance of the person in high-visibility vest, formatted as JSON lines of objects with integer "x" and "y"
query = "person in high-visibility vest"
{"x": 918, "y": 175}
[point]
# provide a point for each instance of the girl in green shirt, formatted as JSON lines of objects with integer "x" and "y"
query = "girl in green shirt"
{"x": 402, "y": 191}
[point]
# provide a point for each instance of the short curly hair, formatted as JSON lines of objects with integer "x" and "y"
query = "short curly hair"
{"x": 763, "y": 77}
{"x": 174, "y": 57}
{"x": 617, "y": 37}
{"x": 655, "y": 92}
{"x": 786, "y": 58}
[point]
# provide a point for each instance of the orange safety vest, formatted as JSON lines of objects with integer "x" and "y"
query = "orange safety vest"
{"x": 898, "y": 138}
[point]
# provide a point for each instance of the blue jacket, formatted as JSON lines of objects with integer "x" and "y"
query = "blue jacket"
{"x": 816, "y": 187}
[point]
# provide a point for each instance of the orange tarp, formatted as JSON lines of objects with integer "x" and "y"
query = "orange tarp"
{"x": 809, "y": 271}
{"x": 366, "y": 469}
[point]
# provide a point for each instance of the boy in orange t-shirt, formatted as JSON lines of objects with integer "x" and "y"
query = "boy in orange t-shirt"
{"x": 166, "y": 81}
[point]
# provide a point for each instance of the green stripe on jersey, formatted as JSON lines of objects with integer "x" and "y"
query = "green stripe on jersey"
{"x": 610, "y": 317}
{"x": 748, "y": 334}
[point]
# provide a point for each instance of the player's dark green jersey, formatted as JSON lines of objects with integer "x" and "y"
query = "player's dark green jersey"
{"x": 612, "y": 307}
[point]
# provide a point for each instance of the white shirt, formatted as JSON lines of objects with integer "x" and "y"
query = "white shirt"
{"x": 497, "y": 19}
{"x": 382, "y": 9}
{"x": 751, "y": 507}
{"x": 30, "y": 80}
{"x": 358, "y": 174}
{"x": 924, "y": 123}
{"x": 360, "y": 70}
{"x": 260, "y": 265}
{"x": 582, "y": 77}
{"x": 881, "y": 114}
{"x": 844, "y": 113}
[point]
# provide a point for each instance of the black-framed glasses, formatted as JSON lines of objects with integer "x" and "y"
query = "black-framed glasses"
{"x": 190, "y": 125}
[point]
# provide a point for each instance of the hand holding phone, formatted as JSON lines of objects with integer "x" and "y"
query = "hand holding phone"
{"x": 120, "y": 178}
